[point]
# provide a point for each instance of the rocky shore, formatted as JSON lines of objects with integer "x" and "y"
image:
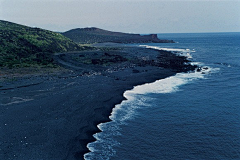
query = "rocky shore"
{"x": 54, "y": 116}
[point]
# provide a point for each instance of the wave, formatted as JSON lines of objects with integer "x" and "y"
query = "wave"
{"x": 103, "y": 147}
{"x": 180, "y": 52}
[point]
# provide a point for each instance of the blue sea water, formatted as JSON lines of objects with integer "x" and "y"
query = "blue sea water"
{"x": 186, "y": 116}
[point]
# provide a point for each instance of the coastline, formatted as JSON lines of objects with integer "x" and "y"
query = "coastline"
{"x": 57, "y": 117}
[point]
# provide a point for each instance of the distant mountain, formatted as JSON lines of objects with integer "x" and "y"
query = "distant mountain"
{"x": 96, "y": 35}
{"x": 23, "y": 46}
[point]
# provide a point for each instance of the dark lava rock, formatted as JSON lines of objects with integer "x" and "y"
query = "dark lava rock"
{"x": 135, "y": 71}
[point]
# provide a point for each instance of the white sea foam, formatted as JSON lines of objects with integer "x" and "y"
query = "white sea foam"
{"x": 127, "y": 109}
{"x": 181, "y": 52}
{"x": 197, "y": 63}
{"x": 167, "y": 85}
{"x": 103, "y": 147}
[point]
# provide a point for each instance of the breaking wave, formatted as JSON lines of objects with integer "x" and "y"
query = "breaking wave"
{"x": 103, "y": 147}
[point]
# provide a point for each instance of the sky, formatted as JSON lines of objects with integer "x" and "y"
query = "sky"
{"x": 130, "y": 16}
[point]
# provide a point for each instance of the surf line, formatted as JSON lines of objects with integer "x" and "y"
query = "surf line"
{"x": 102, "y": 148}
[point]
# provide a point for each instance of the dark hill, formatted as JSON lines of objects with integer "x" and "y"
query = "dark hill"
{"x": 96, "y": 35}
{"x": 24, "y": 46}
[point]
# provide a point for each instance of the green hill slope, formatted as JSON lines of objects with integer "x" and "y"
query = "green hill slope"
{"x": 96, "y": 35}
{"x": 22, "y": 46}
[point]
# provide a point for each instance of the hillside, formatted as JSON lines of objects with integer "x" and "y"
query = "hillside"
{"x": 22, "y": 46}
{"x": 96, "y": 35}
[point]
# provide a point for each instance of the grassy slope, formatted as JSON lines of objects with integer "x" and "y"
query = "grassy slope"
{"x": 22, "y": 46}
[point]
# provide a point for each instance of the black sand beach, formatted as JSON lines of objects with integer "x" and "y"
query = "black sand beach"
{"x": 54, "y": 116}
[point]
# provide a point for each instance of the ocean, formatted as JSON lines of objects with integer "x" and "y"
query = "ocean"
{"x": 187, "y": 116}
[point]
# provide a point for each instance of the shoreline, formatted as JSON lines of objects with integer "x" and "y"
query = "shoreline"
{"x": 108, "y": 112}
{"x": 59, "y": 116}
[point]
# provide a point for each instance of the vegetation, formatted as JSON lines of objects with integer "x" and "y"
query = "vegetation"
{"x": 22, "y": 46}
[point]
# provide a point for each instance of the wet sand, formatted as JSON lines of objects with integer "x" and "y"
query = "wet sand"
{"x": 55, "y": 116}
